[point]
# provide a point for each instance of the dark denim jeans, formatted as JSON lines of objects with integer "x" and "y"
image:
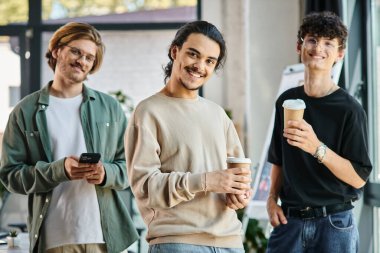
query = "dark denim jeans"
{"x": 189, "y": 248}
{"x": 336, "y": 233}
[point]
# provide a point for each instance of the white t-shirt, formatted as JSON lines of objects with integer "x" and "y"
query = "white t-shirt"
{"x": 73, "y": 216}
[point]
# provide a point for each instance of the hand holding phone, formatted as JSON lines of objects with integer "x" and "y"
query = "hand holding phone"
{"x": 89, "y": 158}
{"x": 92, "y": 160}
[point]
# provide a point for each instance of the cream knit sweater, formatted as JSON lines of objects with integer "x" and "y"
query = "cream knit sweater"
{"x": 170, "y": 143}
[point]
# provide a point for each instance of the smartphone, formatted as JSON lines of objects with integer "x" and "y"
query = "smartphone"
{"x": 89, "y": 158}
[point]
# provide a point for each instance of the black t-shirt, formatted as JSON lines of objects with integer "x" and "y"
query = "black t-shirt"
{"x": 340, "y": 122}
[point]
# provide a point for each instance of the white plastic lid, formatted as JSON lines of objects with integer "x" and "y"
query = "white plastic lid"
{"x": 294, "y": 104}
{"x": 238, "y": 160}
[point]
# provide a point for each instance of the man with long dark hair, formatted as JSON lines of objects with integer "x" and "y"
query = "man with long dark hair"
{"x": 177, "y": 144}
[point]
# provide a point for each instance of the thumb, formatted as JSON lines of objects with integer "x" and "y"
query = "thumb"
{"x": 282, "y": 217}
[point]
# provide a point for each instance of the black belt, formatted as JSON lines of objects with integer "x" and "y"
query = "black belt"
{"x": 309, "y": 212}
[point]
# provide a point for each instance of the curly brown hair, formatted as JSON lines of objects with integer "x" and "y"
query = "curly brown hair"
{"x": 323, "y": 24}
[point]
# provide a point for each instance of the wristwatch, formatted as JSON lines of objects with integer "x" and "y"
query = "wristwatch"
{"x": 320, "y": 152}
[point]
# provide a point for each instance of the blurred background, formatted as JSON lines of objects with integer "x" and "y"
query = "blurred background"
{"x": 261, "y": 61}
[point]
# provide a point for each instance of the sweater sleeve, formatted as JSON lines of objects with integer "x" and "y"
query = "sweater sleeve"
{"x": 152, "y": 187}
{"x": 234, "y": 148}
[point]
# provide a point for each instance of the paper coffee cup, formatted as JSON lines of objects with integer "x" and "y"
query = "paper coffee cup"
{"x": 237, "y": 162}
{"x": 293, "y": 110}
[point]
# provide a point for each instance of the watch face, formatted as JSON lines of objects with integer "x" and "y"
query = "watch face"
{"x": 321, "y": 152}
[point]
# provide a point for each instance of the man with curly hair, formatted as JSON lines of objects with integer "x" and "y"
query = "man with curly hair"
{"x": 320, "y": 163}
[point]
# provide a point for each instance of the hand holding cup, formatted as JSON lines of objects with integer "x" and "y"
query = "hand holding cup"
{"x": 237, "y": 162}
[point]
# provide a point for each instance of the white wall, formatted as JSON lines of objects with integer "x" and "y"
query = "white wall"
{"x": 261, "y": 42}
{"x": 273, "y": 38}
{"x": 133, "y": 62}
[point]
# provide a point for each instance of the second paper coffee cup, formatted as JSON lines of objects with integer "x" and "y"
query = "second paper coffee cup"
{"x": 293, "y": 110}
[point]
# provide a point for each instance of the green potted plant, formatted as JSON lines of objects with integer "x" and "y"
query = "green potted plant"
{"x": 125, "y": 101}
{"x": 254, "y": 239}
{"x": 12, "y": 239}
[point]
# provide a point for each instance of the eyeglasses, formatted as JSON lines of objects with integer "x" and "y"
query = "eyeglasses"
{"x": 78, "y": 54}
{"x": 311, "y": 43}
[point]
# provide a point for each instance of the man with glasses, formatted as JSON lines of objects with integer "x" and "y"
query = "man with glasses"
{"x": 320, "y": 163}
{"x": 73, "y": 206}
{"x": 177, "y": 144}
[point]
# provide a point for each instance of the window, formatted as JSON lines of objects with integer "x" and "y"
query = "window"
{"x": 120, "y": 11}
{"x": 9, "y": 78}
{"x": 14, "y": 95}
{"x": 15, "y": 11}
{"x": 375, "y": 60}
{"x": 376, "y": 111}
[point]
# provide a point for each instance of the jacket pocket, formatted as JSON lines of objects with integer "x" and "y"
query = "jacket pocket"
{"x": 109, "y": 138}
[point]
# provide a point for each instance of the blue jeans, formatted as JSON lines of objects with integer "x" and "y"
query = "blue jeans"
{"x": 189, "y": 248}
{"x": 336, "y": 233}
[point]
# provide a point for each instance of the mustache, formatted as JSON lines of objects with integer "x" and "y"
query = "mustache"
{"x": 194, "y": 69}
{"x": 76, "y": 64}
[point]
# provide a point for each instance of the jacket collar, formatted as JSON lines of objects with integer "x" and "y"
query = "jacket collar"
{"x": 88, "y": 94}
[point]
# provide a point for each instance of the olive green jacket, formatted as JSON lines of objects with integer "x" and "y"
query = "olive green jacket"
{"x": 27, "y": 165}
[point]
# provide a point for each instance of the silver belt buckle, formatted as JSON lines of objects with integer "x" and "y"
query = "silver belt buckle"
{"x": 305, "y": 211}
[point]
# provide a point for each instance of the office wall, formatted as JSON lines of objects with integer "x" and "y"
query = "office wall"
{"x": 132, "y": 63}
{"x": 261, "y": 42}
{"x": 273, "y": 37}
